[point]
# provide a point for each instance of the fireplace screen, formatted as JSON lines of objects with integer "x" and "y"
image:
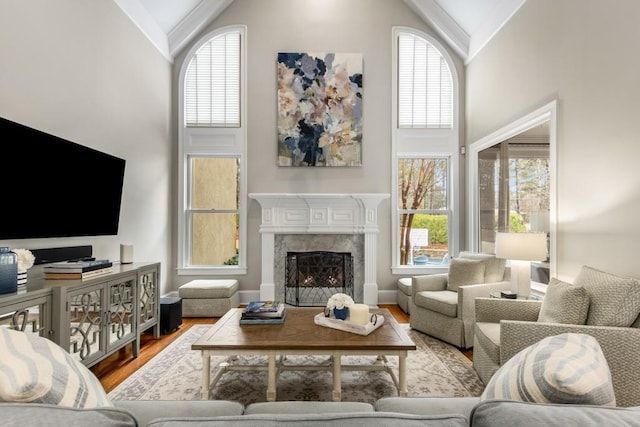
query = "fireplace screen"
{"x": 312, "y": 277}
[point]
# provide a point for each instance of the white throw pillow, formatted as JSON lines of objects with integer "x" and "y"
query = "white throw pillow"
{"x": 566, "y": 368}
{"x": 36, "y": 370}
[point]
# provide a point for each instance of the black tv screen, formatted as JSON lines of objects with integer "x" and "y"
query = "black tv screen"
{"x": 56, "y": 188}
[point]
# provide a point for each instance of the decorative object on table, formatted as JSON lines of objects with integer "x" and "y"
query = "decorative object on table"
{"x": 319, "y": 109}
{"x": 25, "y": 262}
{"x": 373, "y": 323}
{"x": 339, "y": 305}
{"x": 359, "y": 314}
{"x": 8, "y": 271}
{"x": 508, "y": 295}
{"x": 341, "y": 313}
{"x": 520, "y": 249}
{"x": 126, "y": 253}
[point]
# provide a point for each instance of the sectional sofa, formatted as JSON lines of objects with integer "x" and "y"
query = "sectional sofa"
{"x": 391, "y": 411}
{"x": 561, "y": 380}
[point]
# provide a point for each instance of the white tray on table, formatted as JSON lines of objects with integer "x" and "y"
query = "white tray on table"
{"x": 348, "y": 326}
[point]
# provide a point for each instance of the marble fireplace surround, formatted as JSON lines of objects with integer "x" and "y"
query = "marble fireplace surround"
{"x": 314, "y": 214}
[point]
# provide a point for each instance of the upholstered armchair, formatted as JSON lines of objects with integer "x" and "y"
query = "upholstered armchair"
{"x": 599, "y": 304}
{"x": 443, "y": 306}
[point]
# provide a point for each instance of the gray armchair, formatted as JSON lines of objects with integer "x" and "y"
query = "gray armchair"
{"x": 504, "y": 327}
{"x": 442, "y": 305}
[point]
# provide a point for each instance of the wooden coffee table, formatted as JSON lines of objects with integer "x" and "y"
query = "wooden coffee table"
{"x": 299, "y": 335}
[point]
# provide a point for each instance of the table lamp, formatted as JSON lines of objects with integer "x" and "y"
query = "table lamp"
{"x": 520, "y": 249}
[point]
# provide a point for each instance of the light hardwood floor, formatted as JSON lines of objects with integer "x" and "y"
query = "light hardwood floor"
{"x": 120, "y": 365}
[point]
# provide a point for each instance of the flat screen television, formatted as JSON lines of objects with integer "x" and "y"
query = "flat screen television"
{"x": 52, "y": 187}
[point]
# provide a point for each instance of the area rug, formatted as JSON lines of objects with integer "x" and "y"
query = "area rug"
{"x": 434, "y": 369}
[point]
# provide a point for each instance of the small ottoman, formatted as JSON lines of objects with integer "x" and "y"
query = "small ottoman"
{"x": 208, "y": 298}
{"x": 403, "y": 295}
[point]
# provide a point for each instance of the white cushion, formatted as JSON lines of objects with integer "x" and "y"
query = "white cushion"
{"x": 35, "y": 369}
{"x": 566, "y": 368}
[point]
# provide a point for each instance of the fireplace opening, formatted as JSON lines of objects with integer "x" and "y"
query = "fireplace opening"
{"x": 312, "y": 277}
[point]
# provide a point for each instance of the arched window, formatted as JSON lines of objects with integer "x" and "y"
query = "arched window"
{"x": 425, "y": 147}
{"x": 425, "y": 89}
{"x": 212, "y": 168}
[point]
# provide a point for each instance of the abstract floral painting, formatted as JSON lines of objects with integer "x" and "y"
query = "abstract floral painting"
{"x": 319, "y": 109}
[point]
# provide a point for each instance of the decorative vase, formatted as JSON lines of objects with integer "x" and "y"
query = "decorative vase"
{"x": 8, "y": 271}
{"x": 341, "y": 313}
{"x": 22, "y": 277}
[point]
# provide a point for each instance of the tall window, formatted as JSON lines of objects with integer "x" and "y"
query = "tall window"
{"x": 212, "y": 220}
{"x": 425, "y": 141}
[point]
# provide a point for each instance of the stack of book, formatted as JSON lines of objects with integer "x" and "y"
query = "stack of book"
{"x": 68, "y": 270}
{"x": 263, "y": 312}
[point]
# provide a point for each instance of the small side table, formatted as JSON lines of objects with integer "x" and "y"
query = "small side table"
{"x": 496, "y": 294}
{"x": 170, "y": 314}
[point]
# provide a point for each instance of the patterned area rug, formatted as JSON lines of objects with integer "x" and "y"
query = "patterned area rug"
{"x": 434, "y": 369}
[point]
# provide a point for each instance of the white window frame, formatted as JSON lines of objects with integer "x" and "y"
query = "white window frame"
{"x": 425, "y": 143}
{"x": 212, "y": 142}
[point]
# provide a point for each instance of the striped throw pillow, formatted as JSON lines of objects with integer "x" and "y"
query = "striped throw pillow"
{"x": 565, "y": 368}
{"x": 35, "y": 369}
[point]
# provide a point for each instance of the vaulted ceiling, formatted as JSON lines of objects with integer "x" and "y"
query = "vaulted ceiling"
{"x": 466, "y": 25}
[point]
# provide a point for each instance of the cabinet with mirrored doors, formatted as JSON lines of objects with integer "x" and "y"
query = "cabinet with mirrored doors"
{"x": 92, "y": 318}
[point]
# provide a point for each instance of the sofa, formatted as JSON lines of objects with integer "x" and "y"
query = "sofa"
{"x": 389, "y": 411}
{"x": 41, "y": 384}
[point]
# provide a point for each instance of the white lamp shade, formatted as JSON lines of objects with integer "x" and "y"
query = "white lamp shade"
{"x": 522, "y": 246}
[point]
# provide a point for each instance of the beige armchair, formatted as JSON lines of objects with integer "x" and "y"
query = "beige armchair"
{"x": 505, "y": 327}
{"x": 442, "y": 305}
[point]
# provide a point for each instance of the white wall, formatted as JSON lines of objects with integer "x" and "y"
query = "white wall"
{"x": 81, "y": 70}
{"x": 351, "y": 26}
{"x": 584, "y": 54}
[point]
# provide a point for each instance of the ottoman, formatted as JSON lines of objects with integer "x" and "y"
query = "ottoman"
{"x": 208, "y": 298}
{"x": 403, "y": 294}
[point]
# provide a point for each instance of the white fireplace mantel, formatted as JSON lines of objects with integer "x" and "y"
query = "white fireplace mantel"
{"x": 319, "y": 213}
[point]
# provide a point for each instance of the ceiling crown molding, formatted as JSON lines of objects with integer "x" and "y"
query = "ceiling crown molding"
{"x": 147, "y": 24}
{"x": 445, "y": 26}
{"x": 195, "y": 21}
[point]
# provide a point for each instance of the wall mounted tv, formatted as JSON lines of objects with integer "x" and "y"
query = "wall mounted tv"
{"x": 56, "y": 188}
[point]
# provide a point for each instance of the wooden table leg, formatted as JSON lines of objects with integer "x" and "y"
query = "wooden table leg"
{"x": 402, "y": 375}
{"x": 271, "y": 377}
{"x": 337, "y": 380}
{"x": 206, "y": 373}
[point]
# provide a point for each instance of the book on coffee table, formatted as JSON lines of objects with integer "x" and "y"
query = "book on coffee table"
{"x": 255, "y": 310}
{"x": 263, "y": 320}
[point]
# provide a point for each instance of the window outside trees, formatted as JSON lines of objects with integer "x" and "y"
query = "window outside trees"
{"x": 424, "y": 214}
{"x": 425, "y": 146}
{"x": 514, "y": 193}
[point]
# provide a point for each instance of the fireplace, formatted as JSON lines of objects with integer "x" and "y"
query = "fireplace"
{"x": 312, "y": 277}
{"x": 343, "y": 219}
